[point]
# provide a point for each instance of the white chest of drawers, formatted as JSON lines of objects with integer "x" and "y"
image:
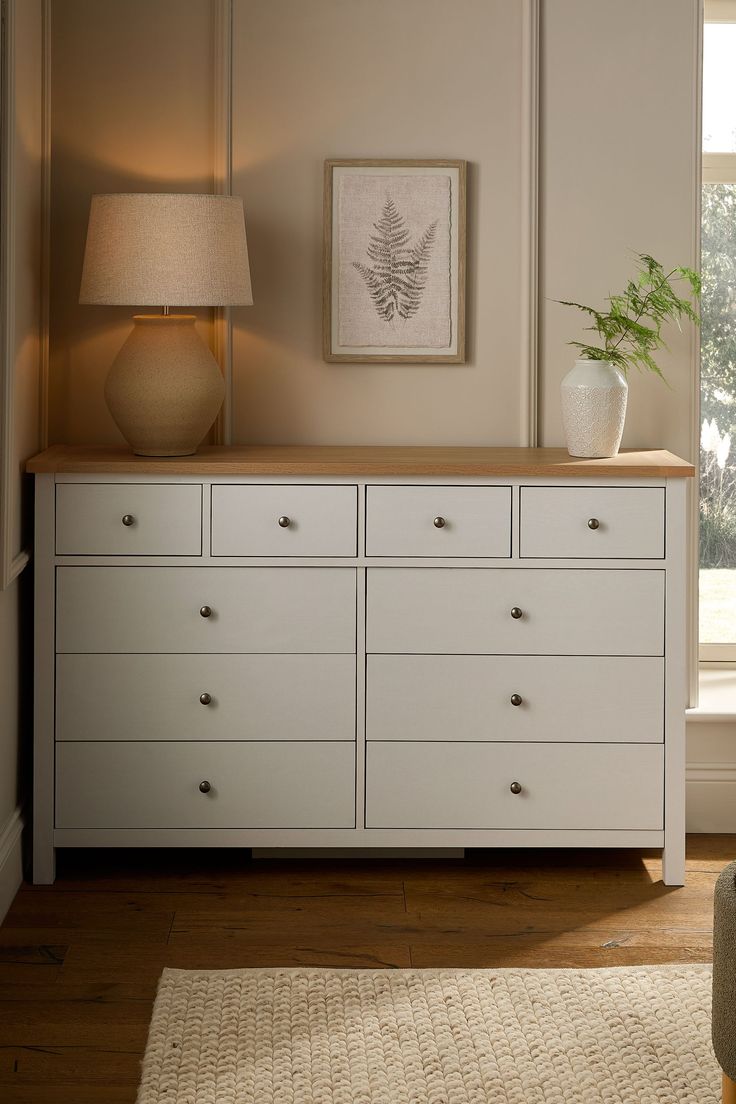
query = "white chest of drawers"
{"x": 359, "y": 647}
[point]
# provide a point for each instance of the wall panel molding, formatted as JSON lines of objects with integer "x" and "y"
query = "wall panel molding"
{"x": 11, "y": 864}
{"x": 529, "y": 428}
{"x": 223, "y": 184}
{"x": 694, "y": 488}
{"x": 8, "y": 479}
{"x": 21, "y": 107}
{"x": 43, "y": 381}
{"x": 293, "y": 393}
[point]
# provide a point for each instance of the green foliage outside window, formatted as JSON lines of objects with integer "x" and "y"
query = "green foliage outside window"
{"x": 718, "y": 378}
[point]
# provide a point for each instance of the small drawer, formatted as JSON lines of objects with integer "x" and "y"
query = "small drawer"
{"x": 619, "y": 523}
{"x": 205, "y": 785}
{"x": 515, "y": 611}
{"x": 205, "y": 697}
{"x": 205, "y": 609}
{"x": 128, "y": 519}
{"x": 549, "y": 699}
{"x": 438, "y": 521}
{"x": 561, "y": 786}
{"x": 284, "y": 520}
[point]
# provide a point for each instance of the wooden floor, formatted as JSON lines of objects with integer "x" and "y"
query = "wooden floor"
{"x": 79, "y": 961}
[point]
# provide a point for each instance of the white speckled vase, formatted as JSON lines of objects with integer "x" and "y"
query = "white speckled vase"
{"x": 594, "y": 395}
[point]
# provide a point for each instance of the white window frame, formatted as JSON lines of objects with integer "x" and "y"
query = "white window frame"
{"x": 718, "y": 168}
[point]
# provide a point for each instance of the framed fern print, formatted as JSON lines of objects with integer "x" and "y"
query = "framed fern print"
{"x": 394, "y": 261}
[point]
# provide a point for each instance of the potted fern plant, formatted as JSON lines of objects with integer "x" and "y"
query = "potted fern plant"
{"x": 595, "y": 391}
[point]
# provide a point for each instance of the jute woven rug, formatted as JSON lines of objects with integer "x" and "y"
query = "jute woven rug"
{"x": 635, "y": 1035}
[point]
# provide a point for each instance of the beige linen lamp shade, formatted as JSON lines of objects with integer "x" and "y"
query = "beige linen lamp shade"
{"x": 166, "y": 250}
{"x": 164, "y": 388}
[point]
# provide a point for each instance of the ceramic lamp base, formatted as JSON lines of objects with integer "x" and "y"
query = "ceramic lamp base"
{"x": 164, "y": 388}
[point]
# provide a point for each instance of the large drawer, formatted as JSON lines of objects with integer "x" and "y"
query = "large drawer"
{"x": 560, "y": 611}
{"x": 591, "y": 699}
{"x": 205, "y": 697}
{"x": 128, "y": 519}
{"x": 157, "y": 785}
{"x": 592, "y": 522}
{"x": 284, "y": 520}
{"x": 160, "y": 609}
{"x": 438, "y": 521}
{"x": 563, "y": 786}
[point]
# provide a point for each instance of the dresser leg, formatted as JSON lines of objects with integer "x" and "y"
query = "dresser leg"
{"x": 44, "y": 863}
{"x": 729, "y": 1090}
{"x": 673, "y": 864}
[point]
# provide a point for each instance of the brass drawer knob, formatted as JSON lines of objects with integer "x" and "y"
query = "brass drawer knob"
{"x": 515, "y": 787}
{"x": 205, "y": 699}
{"x": 593, "y": 523}
{"x": 439, "y": 523}
{"x": 516, "y": 699}
{"x": 204, "y": 787}
{"x": 205, "y": 611}
{"x": 284, "y": 521}
{"x": 128, "y": 519}
{"x": 516, "y": 613}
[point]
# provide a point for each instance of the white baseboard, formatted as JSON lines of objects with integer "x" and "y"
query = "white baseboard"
{"x": 11, "y": 864}
{"x": 711, "y": 797}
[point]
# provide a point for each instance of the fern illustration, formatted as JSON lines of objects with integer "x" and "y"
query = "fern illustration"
{"x": 398, "y": 277}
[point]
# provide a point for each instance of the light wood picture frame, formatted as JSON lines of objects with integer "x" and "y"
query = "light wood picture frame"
{"x": 394, "y": 261}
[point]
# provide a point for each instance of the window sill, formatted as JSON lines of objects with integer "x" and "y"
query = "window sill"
{"x": 717, "y": 695}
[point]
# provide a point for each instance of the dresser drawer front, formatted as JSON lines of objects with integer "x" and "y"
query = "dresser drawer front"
{"x": 128, "y": 519}
{"x": 592, "y": 522}
{"x": 563, "y": 786}
{"x": 461, "y": 698}
{"x": 253, "y": 609}
{"x": 156, "y": 785}
{"x": 284, "y": 520}
{"x": 468, "y": 610}
{"x": 438, "y": 521}
{"x": 245, "y": 697}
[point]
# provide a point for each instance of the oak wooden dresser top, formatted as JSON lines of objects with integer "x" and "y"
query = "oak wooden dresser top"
{"x": 360, "y": 460}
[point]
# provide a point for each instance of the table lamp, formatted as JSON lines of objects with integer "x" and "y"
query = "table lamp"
{"x": 164, "y": 388}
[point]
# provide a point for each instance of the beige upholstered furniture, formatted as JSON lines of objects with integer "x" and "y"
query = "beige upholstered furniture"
{"x": 724, "y": 980}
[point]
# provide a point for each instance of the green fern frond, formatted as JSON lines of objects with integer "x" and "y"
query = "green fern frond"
{"x": 630, "y": 330}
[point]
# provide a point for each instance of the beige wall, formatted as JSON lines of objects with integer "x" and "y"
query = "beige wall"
{"x": 24, "y": 365}
{"x": 619, "y": 175}
{"x": 26, "y": 280}
{"x": 132, "y": 110}
{"x": 420, "y": 78}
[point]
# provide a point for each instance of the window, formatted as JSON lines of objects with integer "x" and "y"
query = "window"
{"x": 718, "y": 338}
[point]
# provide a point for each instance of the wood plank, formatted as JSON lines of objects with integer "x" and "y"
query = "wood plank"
{"x": 564, "y": 950}
{"x": 359, "y": 460}
{"x": 74, "y": 1093}
{"x": 48, "y": 955}
{"x": 89, "y": 966}
{"x": 36, "y": 965}
{"x": 69, "y": 1065}
{"x": 109, "y": 937}
{"x": 133, "y": 914}
{"x": 83, "y": 1022}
